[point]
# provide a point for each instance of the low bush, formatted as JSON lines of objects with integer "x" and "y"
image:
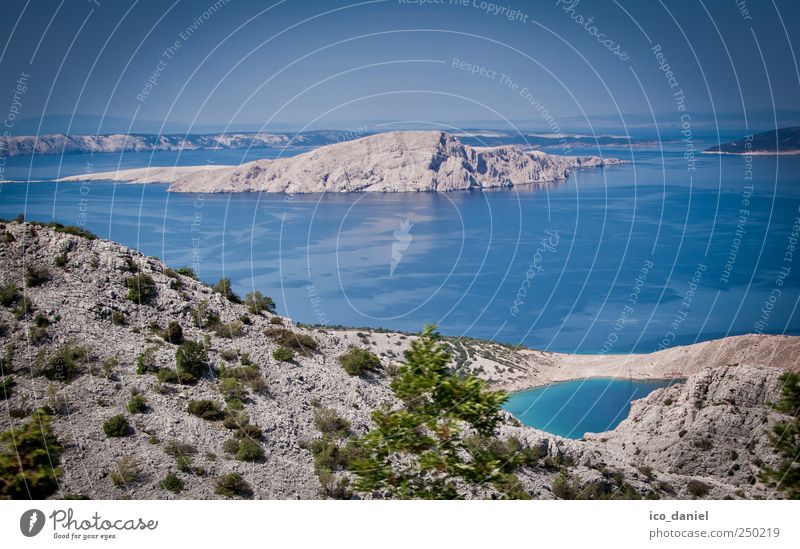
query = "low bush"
{"x": 358, "y": 362}
{"x": 137, "y": 404}
{"x": 126, "y": 472}
{"x": 232, "y": 485}
{"x": 167, "y": 375}
{"x": 9, "y": 294}
{"x": 116, "y": 426}
{"x": 141, "y": 288}
{"x": 227, "y": 330}
{"x": 118, "y": 318}
{"x": 258, "y": 303}
{"x": 36, "y": 276}
{"x": 331, "y": 424}
{"x": 60, "y": 260}
{"x": 172, "y": 483}
{"x": 243, "y": 449}
{"x": 697, "y": 488}
{"x": 173, "y": 333}
{"x": 206, "y": 409}
{"x": 187, "y": 271}
{"x": 66, "y": 229}
{"x": 283, "y": 354}
{"x": 146, "y": 362}
{"x": 7, "y": 384}
{"x": 276, "y": 320}
{"x": 249, "y": 374}
{"x": 66, "y": 364}
{"x": 249, "y": 450}
{"x": 191, "y": 361}
{"x": 223, "y": 287}
{"x": 300, "y": 343}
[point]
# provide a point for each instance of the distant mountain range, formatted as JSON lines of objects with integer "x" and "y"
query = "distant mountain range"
{"x": 54, "y": 144}
{"x": 781, "y": 141}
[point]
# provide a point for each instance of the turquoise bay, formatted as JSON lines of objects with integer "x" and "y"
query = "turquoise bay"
{"x": 572, "y": 408}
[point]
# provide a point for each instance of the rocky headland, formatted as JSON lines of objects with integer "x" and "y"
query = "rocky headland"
{"x": 405, "y": 161}
{"x": 73, "y": 340}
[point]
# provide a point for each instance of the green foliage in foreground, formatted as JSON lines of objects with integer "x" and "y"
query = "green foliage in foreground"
{"x": 420, "y": 450}
{"x": 785, "y": 439}
{"x": 29, "y": 461}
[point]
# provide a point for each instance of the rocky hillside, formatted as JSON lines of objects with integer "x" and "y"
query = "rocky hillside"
{"x": 93, "y": 331}
{"x": 405, "y": 161}
{"x": 780, "y": 141}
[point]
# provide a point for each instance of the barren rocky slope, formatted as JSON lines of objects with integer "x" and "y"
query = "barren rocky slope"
{"x": 405, "y": 161}
{"x": 709, "y": 429}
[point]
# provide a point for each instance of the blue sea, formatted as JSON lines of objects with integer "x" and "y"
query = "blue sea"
{"x": 572, "y": 408}
{"x": 638, "y": 257}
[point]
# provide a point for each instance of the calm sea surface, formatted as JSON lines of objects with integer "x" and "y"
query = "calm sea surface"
{"x": 624, "y": 259}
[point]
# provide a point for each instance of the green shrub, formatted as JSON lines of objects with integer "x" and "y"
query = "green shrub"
{"x": 357, "y": 362}
{"x": 187, "y": 271}
{"x": 137, "y": 404}
{"x": 173, "y": 333}
{"x": 206, "y": 409}
{"x": 331, "y": 424}
{"x": 66, "y": 364}
{"x": 697, "y": 488}
{"x": 232, "y": 485}
{"x": 232, "y": 389}
{"x": 167, "y": 375}
{"x": 146, "y": 361}
{"x": 300, "y": 343}
{"x": 116, "y": 426}
{"x": 258, "y": 303}
{"x": 172, "y": 483}
{"x": 6, "y": 387}
{"x": 249, "y": 450}
{"x": 118, "y": 318}
{"x": 66, "y": 229}
{"x": 223, "y": 287}
{"x": 60, "y": 260}
{"x": 9, "y": 294}
{"x": 283, "y": 354}
{"x": 126, "y": 472}
{"x": 30, "y": 459}
{"x": 227, "y": 330}
{"x": 203, "y": 315}
{"x": 141, "y": 288}
{"x": 36, "y": 276}
{"x": 702, "y": 444}
{"x": 249, "y": 374}
{"x": 176, "y": 449}
{"x": 191, "y": 361}
{"x": 276, "y": 320}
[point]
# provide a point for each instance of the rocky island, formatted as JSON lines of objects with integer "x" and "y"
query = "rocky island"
{"x": 404, "y": 161}
{"x": 143, "y": 382}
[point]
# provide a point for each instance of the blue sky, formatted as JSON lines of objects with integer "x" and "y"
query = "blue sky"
{"x": 338, "y": 63}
